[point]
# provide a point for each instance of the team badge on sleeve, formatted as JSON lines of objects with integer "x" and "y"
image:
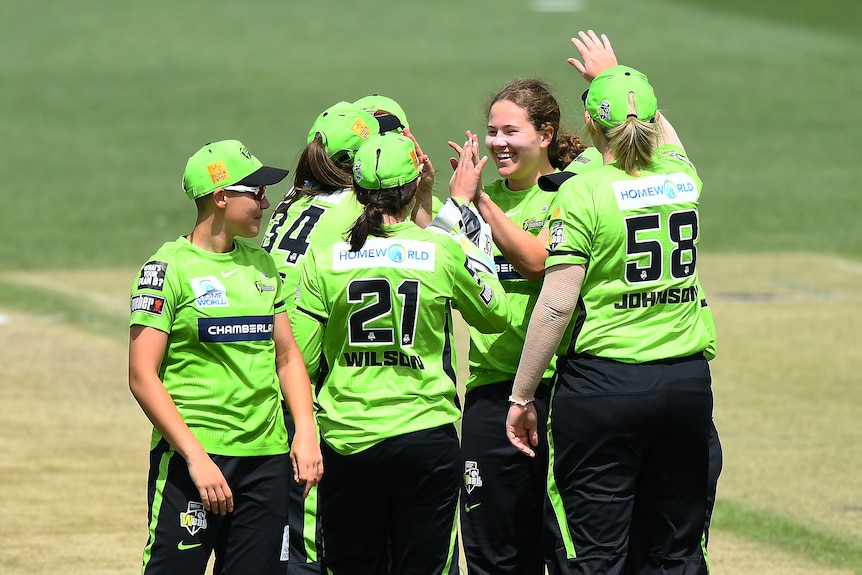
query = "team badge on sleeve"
{"x": 556, "y": 238}
{"x": 486, "y": 295}
{"x": 152, "y": 275}
{"x": 151, "y": 304}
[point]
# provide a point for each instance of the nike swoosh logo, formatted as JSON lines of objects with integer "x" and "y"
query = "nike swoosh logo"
{"x": 469, "y": 508}
{"x": 226, "y": 275}
{"x": 513, "y": 214}
{"x": 182, "y": 546}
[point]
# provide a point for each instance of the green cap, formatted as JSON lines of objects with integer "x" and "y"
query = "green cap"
{"x": 385, "y": 161}
{"x": 343, "y": 127}
{"x": 608, "y": 97}
{"x": 378, "y": 105}
{"x": 225, "y": 163}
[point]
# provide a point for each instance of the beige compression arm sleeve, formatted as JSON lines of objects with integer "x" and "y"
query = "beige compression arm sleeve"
{"x": 548, "y": 322}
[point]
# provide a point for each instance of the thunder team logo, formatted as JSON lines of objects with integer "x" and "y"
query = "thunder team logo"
{"x": 472, "y": 478}
{"x": 194, "y": 518}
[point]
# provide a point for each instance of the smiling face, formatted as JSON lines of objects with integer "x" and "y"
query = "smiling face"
{"x": 519, "y": 150}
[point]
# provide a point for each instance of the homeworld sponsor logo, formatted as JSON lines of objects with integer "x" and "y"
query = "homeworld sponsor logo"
{"x": 209, "y": 292}
{"x": 472, "y": 479}
{"x": 231, "y": 329}
{"x": 381, "y": 252}
{"x": 672, "y": 296}
{"x": 655, "y": 191}
{"x": 194, "y": 518}
{"x": 389, "y": 358}
{"x": 152, "y": 275}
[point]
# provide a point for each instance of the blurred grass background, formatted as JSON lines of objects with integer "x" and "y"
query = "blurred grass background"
{"x": 102, "y": 102}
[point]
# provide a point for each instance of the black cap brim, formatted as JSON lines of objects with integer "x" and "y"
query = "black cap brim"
{"x": 389, "y": 122}
{"x": 552, "y": 182}
{"x": 264, "y": 176}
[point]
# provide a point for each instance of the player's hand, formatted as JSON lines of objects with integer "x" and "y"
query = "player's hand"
{"x": 212, "y": 486}
{"x": 522, "y": 429}
{"x": 597, "y": 53}
{"x": 423, "y": 210}
{"x": 471, "y": 137}
{"x": 426, "y": 168}
{"x": 306, "y": 460}
{"x": 466, "y": 182}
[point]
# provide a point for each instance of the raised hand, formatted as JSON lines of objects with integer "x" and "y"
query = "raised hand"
{"x": 466, "y": 182}
{"x": 597, "y": 53}
{"x": 422, "y": 212}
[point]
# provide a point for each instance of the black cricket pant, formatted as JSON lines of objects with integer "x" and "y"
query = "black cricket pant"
{"x": 306, "y": 536}
{"x": 392, "y": 508}
{"x": 630, "y": 461}
{"x": 503, "y": 521}
{"x": 182, "y": 535}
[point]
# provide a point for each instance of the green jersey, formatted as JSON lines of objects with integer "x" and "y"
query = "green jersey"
{"x": 320, "y": 218}
{"x": 382, "y": 317}
{"x": 219, "y": 363}
{"x": 638, "y": 239}
{"x": 494, "y": 357}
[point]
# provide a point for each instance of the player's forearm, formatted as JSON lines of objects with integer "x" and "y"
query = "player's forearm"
{"x": 296, "y": 389}
{"x": 668, "y": 133}
{"x": 423, "y": 211}
{"x": 159, "y": 407}
{"x": 548, "y": 323}
{"x": 520, "y": 247}
{"x": 308, "y": 334}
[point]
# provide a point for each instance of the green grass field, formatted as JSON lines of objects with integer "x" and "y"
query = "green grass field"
{"x": 102, "y": 102}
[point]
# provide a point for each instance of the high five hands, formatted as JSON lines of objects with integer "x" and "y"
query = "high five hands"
{"x": 466, "y": 182}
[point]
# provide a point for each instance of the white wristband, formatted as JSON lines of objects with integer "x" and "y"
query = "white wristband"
{"x": 521, "y": 402}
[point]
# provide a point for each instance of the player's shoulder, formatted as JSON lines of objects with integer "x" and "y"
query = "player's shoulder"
{"x": 438, "y": 237}
{"x": 324, "y": 251}
{"x": 674, "y": 155}
{"x": 252, "y": 253}
{"x": 590, "y": 179}
{"x": 170, "y": 251}
{"x": 248, "y": 247}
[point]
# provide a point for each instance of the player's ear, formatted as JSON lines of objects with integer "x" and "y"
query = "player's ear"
{"x": 547, "y": 135}
{"x": 219, "y": 198}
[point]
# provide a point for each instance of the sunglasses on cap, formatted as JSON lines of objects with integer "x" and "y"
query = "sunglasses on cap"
{"x": 258, "y": 192}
